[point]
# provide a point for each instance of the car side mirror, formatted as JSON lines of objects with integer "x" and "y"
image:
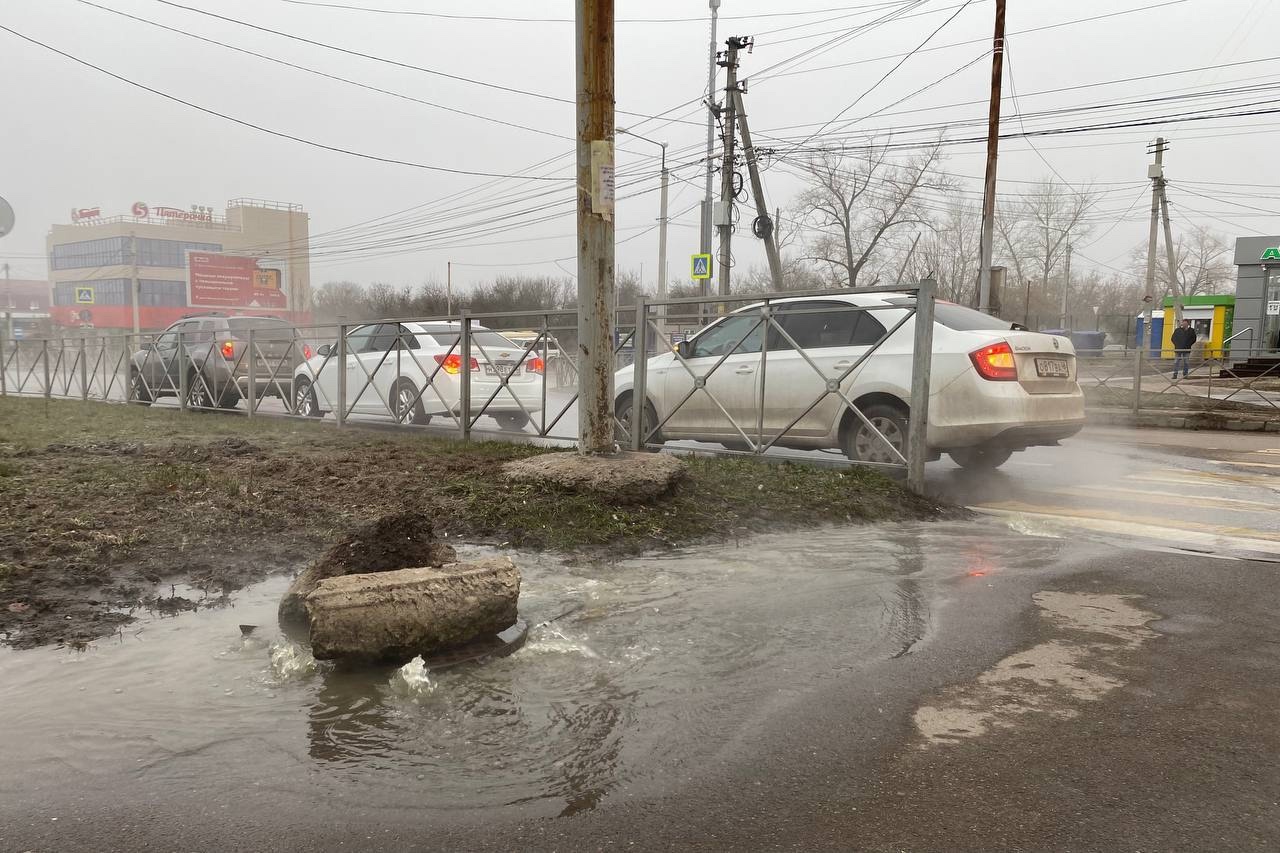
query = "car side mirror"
{"x": 323, "y": 350}
{"x": 685, "y": 349}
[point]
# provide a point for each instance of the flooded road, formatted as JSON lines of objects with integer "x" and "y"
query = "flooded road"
{"x": 660, "y": 662}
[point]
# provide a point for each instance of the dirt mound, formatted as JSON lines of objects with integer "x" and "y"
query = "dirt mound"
{"x": 404, "y": 540}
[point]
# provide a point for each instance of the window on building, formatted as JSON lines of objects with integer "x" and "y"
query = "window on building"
{"x": 170, "y": 253}
{"x": 156, "y": 292}
{"x": 90, "y": 253}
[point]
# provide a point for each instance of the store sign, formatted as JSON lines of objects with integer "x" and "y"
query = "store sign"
{"x": 197, "y": 213}
{"x": 231, "y": 281}
{"x": 78, "y": 213}
{"x": 1271, "y": 254}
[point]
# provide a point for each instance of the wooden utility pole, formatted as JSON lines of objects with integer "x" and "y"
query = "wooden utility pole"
{"x": 597, "y": 295}
{"x": 727, "y": 173}
{"x": 993, "y": 152}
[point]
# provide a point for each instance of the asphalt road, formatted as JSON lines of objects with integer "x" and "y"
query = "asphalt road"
{"x": 1119, "y": 695}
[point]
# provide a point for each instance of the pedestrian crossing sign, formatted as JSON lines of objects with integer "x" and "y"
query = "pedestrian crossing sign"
{"x": 84, "y": 296}
{"x": 701, "y": 267}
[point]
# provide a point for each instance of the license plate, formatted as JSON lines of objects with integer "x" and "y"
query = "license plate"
{"x": 502, "y": 368}
{"x": 1056, "y": 368}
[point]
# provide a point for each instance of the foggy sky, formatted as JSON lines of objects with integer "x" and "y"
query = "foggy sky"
{"x": 76, "y": 138}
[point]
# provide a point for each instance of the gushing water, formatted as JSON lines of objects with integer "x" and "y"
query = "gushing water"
{"x": 413, "y": 680}
{"x": 290, "y": 661}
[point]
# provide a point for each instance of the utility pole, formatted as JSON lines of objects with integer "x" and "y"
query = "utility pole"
{"x": 662, "y": 229}
{"x": 1169, "y": 255}
{"x": 763, "y": 225}
{"x": 1066, "y": 288}
{"x": 8, "y": 313}
{"x": 597, "y": 295}
{"x": 134, "y": 286}
{"x": 727, "y": 173}
{"x": 713, "y": 111}
{"x": 448, "y": 288}
{"x": 1156, "y": 173}
{"x": 993, "y": 152}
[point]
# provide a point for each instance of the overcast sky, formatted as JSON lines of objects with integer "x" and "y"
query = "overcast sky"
{"x": 75, "y": 137}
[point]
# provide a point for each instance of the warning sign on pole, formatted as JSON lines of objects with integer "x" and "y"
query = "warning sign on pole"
{"x": 700, "y": 267}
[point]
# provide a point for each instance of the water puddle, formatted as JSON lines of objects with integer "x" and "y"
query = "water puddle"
{"x": 630, "y": 672}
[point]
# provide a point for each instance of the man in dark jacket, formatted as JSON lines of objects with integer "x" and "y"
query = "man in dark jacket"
{"x": 1184, "y": 338}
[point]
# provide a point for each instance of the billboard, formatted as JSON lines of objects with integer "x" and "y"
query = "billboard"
{"x": 231, "y": 281}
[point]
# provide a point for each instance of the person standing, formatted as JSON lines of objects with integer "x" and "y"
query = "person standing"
{"x": 1184, "y": 338}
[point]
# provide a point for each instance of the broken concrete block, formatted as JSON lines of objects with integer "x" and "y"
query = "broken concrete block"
{"x": 394, "y": 616}
{"x": 399, "y": 541}
{"x": 619, "y": 478}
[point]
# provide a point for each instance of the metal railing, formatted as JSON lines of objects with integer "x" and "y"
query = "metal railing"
{"x": 1226, "y": 378}
{"x": 783, "y": 383}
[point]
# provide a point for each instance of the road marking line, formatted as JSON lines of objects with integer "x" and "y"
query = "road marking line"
{"x": 1172, "y": 500}
{"x": 1128, "y": 519}
{"x": 1155, "y": 533}
{"x": 1205, "y": 478}
{"x": 1245, "y": 464}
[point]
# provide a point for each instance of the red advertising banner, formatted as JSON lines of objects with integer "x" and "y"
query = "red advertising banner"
{"x": 230, "y": 281}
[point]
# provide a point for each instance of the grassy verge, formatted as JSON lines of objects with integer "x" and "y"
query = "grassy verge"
{"x": 98, "y": 502}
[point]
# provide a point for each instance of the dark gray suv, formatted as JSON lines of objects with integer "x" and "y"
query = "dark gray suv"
{"x": 209, "y": 357}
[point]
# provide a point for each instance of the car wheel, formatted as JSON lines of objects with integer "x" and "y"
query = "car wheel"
{"x": 141, "y": 393}
{"x": 512, "y": 421}
{"x": 863, "y": 445}
{"x": 198, "y": 394}
{"x": 304, "y": 399}
{"x": 625, "y": 411}
{"x": 406, "y": 404}
{"x": 980, "y": 458}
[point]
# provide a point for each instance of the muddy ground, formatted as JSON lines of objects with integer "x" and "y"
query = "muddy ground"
{"x": 103, "y": 507}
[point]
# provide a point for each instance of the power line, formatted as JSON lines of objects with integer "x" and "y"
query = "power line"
{"x": 260, "y": 128}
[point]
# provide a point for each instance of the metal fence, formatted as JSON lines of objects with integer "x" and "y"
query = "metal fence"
{"x": 776, "y": 378}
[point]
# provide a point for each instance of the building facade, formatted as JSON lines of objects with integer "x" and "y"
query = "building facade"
{"x": 24, "y": 308}
{"x": 1257, "y": 294}
{"x": 127, "y": 272}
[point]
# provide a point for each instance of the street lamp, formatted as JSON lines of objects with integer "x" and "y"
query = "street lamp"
{"x": 662, "y": 231}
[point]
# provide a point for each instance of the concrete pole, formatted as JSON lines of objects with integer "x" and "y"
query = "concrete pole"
{"x": 757, "y": 190}
{"x": 726, "y": 168}
{"x": 662, "y": 246}
{"x": 8, "y": 311}
{"x": 993, "y": 152}
{"x": 1174, "y": 287}
{"x": 1066, "y": 288}
{"x": 448, "y": 289}
{"x": 708, "y": 198}
{"x": 1156, "y": 173}
{"x": 597, "y": 296}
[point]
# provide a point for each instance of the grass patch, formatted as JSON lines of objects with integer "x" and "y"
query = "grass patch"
{"x": 101, "y": 500}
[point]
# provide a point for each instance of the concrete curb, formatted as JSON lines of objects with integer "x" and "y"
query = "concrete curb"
{"x": 1182, "y": 419}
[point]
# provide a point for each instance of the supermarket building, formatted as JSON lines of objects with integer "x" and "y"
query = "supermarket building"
{"x": 136, "y": 271}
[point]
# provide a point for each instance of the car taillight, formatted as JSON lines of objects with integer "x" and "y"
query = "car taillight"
{"x": 306, "y": 350}
{"x": 535, "y": 365}
{"x": 228, "y": 350}
{"x": 452, "y": 364}
{"x": 995, "y": 362}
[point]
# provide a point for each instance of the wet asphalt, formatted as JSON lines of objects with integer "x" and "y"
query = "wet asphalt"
{"x": 1182, "y": 755}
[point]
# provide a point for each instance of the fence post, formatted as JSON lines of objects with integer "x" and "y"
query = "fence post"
{"x": 183, "y": 389}
{"x": 48, "y": 382}
{"x": 640, "y": 391}
{"x": 921, "y": 364}
{"x": 253, "y": 375}
{"x": 342, "y": 376}
{"x": 84, "y": 370}
{"x": 4, "y": 365}
{"x": 766, "y": 313}
{"x": 464, "y": 372}
{"x": 546, "y": 374}
{"x": 1137, "y": 378}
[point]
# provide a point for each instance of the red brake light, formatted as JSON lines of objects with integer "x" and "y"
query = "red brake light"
{"x": 995, "y": 362}
{"x": 535, "y": 365}
{"x": 306, "y": 350}
{"x": 452, "y": 364}
{"x": 228, "y": 350}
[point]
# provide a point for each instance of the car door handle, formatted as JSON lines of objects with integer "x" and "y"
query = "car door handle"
{"x": 842, "y": 366}
{"x": 745, "y": 370}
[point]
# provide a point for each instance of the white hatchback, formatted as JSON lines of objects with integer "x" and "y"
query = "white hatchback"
{"x": 412, "y": 371}
{"x": 994, "y": 388}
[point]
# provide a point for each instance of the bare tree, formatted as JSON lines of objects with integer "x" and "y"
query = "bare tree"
{"x": 1202, "y": 264}
{"x": 1035, "y": 231}
{"x": 949, "y": 253}
{"x": 854, "y": 202}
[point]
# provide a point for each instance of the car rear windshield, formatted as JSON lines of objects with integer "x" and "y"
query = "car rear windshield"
{"x": 489, "y": 340}
{"x": 242, "y": 325}
{"x": 960, "y": 318}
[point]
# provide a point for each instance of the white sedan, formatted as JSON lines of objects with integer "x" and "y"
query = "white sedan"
{"x": 994, "y": 388}
{"x": 413, "y": 371}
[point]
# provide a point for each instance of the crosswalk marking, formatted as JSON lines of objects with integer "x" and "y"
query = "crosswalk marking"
{"x": 1147, "y": 496}
{"x": 1136, "y": 522}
